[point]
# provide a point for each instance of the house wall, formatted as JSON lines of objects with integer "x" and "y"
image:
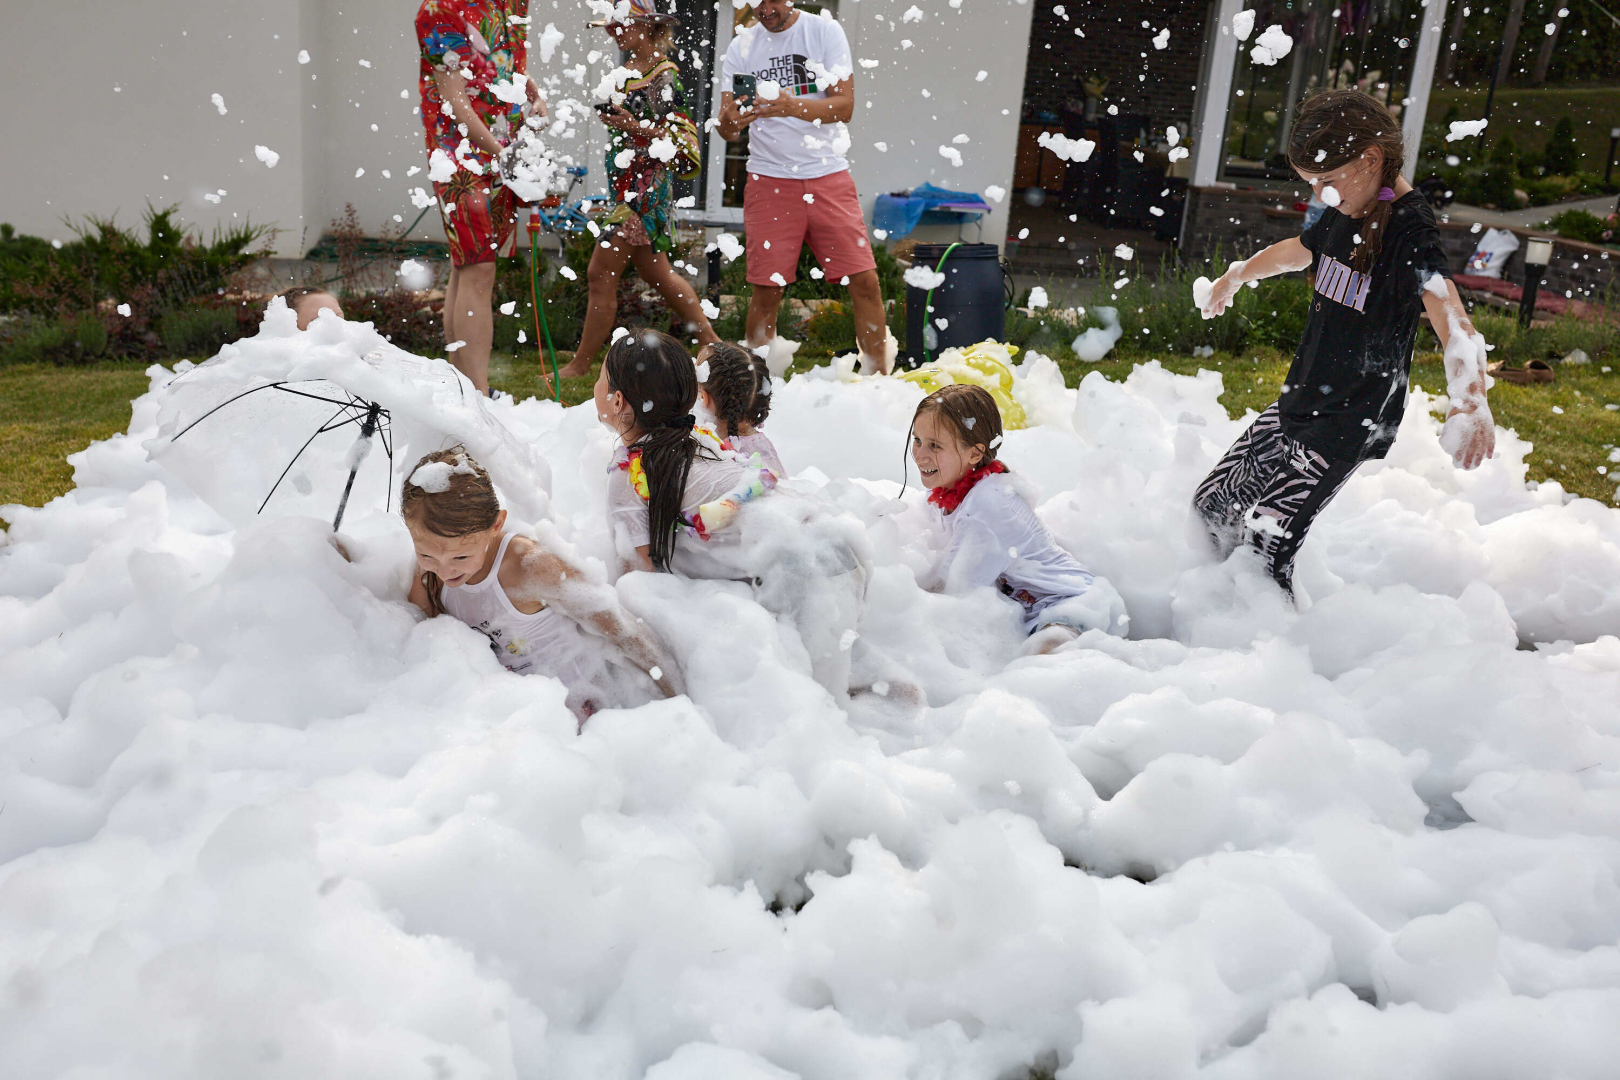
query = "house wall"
{"x": 96, "y": 128}
{"x": 166, "y": 57}
{"x": 949, "y": 47}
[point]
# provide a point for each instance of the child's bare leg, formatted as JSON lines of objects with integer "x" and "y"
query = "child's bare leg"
{"x": 608, "y": 261}
{"x": 1049, "y": 639}
{"x": 655, "y": 270}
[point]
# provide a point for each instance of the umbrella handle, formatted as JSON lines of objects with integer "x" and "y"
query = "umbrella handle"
{"x": 367, "y": 428}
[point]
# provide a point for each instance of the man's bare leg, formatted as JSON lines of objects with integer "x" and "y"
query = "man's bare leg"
{"x": 871, "y": 326}
{"x": 762, "y": 309}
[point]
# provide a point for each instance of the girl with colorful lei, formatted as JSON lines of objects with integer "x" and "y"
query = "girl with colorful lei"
{"x": 992, "y": 534}
{"x": 683, "y": 500}
{"x": 654, "y": 141}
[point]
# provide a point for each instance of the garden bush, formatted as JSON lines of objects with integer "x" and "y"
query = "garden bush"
{"x": 1561, "y": 156}
{"x": 197, "y": 332}
{"x": 1580, "y": 225}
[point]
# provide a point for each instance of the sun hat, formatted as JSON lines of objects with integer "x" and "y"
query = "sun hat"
{"x": 626, "y": 11}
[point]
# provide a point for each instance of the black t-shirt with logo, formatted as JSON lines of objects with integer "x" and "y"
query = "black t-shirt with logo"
{"x": 1346, "y": 390}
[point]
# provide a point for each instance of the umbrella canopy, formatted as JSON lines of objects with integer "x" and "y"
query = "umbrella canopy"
{"x": 272, "y": 424}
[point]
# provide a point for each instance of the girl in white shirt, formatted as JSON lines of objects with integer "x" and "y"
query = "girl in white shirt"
{"x": 734, "y": 389}
{"x": 543, "y": 613}
{"x": 993, "y": 536}
{"x": 683, "y": 500}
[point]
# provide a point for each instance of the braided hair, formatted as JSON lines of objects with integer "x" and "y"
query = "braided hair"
{"x": 655, "y": 374}
{"x": 1335, "y": 128}
{"x": 739, "y": 384}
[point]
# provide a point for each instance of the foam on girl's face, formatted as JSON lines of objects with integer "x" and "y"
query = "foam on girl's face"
{"x": 941, "y": 456}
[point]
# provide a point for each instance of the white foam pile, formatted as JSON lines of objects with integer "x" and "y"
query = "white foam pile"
{"x": 259, "y": 820}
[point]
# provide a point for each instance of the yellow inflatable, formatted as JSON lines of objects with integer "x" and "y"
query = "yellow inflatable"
{"x": 987, "y": 364}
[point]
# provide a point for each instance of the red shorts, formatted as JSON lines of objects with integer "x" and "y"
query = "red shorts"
{"x": 778, "y": 219}
{"x": 480, "y": 216}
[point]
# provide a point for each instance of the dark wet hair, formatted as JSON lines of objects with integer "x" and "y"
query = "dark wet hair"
{"x": 298, "y": 292}
{"x": 467, "y": 505}
{"x": 655, "y": 374}
{"x": 1340, "y": 126}
{"x": 740, "y": 384}
{"x": 971, "y": 414}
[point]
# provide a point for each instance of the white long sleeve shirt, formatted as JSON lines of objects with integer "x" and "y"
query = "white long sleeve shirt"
{"x": 993, "y": 537}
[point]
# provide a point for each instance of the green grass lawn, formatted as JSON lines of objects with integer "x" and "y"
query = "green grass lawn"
{"x": 1594, "y": 110}
{"x": 47, "y": 413}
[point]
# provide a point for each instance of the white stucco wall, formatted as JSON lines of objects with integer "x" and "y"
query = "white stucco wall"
{"x": 134, "y": 107}
{"x": 949, "y": 47}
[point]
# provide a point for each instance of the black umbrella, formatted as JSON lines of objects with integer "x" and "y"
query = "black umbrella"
{"x": 350, "y": 409}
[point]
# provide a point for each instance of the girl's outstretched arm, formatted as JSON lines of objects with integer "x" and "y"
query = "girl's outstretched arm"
{"x": 1469, "y": 435}
{"x": 543, "y": 576}
{"x": 1279, "y": 258}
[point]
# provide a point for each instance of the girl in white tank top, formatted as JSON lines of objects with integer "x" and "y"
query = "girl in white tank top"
{"x": 543, "y": 613}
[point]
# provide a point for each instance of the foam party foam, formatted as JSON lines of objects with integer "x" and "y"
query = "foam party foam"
{"x": 261, "y": 819}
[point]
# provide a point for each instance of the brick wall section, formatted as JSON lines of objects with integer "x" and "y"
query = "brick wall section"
{"x": 1114, "y": 45}
{"x": 1240, "y": 223}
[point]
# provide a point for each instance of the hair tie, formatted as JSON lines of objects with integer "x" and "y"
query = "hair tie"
{"x": 1386, "y": 194}
{"x": 687, "y": 422}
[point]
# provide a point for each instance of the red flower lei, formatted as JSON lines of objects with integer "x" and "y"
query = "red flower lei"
{"x": 948, "y": 499}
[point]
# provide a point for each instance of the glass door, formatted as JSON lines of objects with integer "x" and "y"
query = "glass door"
{"x": 1369, "y": 45}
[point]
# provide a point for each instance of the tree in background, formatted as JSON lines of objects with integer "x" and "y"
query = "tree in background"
{"x": 1562, "y": 157}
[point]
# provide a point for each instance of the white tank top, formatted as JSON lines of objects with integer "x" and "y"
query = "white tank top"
{"x": 545, "y": 643}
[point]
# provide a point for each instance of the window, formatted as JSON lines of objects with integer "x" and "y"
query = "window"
{"x": 1336, "y": 45}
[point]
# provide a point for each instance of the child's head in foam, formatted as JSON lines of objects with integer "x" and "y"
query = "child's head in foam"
{"x": 735, "y": 387}
{"x": 646, "y": 392}
{"x": 956, "y": 430}
{"x": 308, "y": 301}
{"x": 449, "y": 505}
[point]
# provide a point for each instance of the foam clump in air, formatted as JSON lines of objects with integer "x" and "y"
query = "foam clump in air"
{"x": 258, "y": 810}
{"x": 923, "y": 277}
{"x": 1095, "y": 342}
{"x": 1271, "y": 46}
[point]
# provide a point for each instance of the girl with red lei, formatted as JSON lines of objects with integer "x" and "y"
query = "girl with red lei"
{"x": 992, "y": 534}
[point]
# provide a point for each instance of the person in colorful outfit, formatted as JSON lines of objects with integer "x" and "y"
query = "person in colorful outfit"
{"x": 475, "y": 92}
{"x": 654, "y": 141}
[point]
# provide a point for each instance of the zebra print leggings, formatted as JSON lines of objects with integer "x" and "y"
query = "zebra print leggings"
{"x": 1266, "y": 492}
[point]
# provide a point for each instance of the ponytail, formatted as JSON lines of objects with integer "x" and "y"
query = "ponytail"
{"x": 1333, "y": 129}
{"x": 655, "y": 374}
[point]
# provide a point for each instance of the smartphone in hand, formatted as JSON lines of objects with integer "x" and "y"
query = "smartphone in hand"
{"x": 743, "y": 89}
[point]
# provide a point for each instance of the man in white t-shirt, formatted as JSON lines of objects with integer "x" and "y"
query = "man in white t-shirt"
{"x": 799, "y": 189}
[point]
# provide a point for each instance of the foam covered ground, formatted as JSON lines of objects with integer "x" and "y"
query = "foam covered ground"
{"x": 260, "y": 821}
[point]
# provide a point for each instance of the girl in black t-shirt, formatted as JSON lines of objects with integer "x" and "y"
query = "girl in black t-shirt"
{"x": 1375, "y": 262}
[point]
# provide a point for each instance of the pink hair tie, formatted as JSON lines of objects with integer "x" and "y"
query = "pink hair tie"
{"x": 1386, "y": 194}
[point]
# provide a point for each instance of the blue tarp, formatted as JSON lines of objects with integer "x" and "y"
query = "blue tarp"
{"x": 897, "y": 215}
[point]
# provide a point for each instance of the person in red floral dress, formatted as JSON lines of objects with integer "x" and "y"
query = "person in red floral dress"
{"x": 475, "y": 92}
{"x": 653, "y": 141}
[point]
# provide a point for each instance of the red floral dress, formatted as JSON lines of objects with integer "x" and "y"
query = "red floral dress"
{"x": 486, "y": 41}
